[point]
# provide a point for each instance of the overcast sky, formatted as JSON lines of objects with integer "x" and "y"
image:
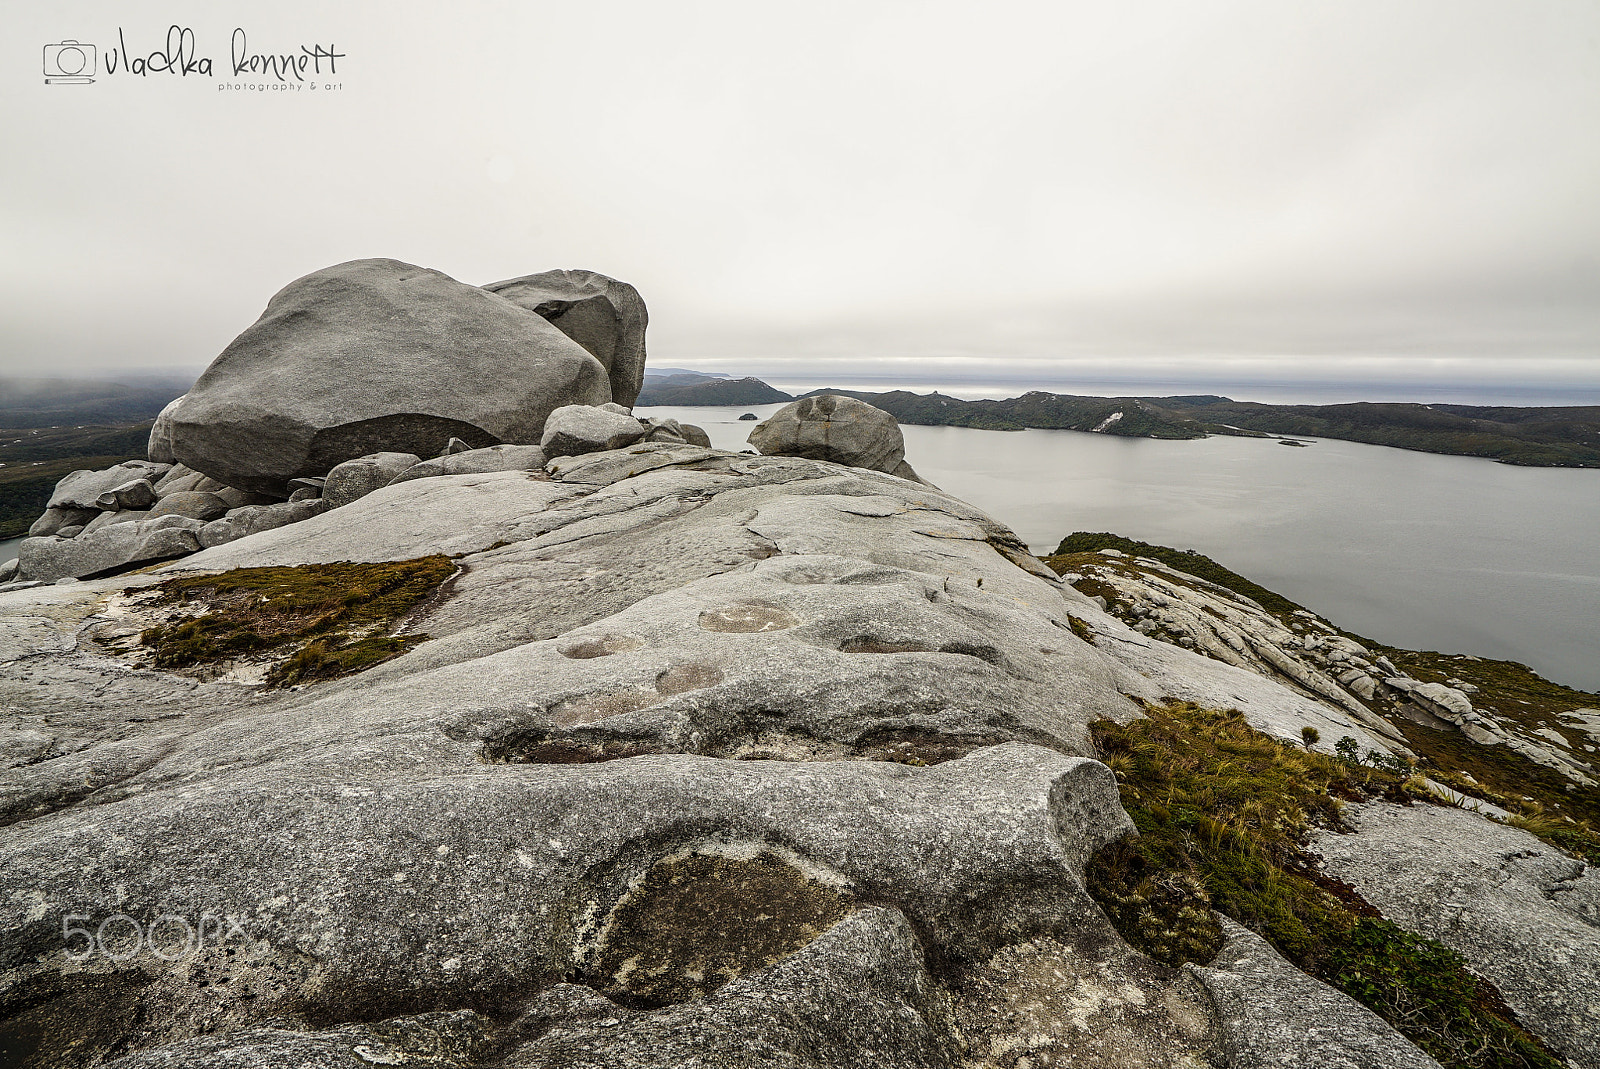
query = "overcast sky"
{"x": 1381, "y": 192}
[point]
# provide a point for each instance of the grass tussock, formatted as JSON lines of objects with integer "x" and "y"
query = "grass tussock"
{"x": 1223, "y": 812}
{"x": 330, "y": 619}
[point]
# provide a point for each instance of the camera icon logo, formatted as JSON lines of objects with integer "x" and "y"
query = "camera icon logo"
{"x": 69, "y": 63}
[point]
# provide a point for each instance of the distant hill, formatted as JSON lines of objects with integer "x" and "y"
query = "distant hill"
{"x": 1535, "y": 437}
{"x": 1130, "y": 417}
{"x": 680, "y": 374}
{"x": 709, "y": 391}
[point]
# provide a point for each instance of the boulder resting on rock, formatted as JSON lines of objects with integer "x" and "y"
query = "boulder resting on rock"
{"x": 605, "y": 316}
{"x": 376, "y": 355}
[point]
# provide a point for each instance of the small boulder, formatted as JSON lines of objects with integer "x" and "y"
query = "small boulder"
{"x": 82, "y": 489}
{"x": 355, "y": 479}
{"x": 314, "y": 484}
{"x": 455, "y": 445}
{"x": 750, "y": 416}
{"x": 8, "y": 570}
{"x": 134, "y": 494}
{"x": 77, "y": 529}
{"x": 1447, "y": 699}
{"x": 476, "y": 461}
{"x": 53, "y": 520}
{"x": 573, "y": 430}
{"x": 835, "y": 428}
{"x": 670, "y": 430}
{"x": 195, "y": 504}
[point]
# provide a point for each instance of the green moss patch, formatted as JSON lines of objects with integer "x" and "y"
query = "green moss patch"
{"x": 327, "y": 620}
{"x": 1223, "y": 813}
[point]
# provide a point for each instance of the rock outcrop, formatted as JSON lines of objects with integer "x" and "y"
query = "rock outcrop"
{"x": 374, "y": 356}
{"x": 607, "y": 317}
{"x": 836, "y": 428}
{"x": 1522, "y": 914}
{"x": 1303, "y": 651}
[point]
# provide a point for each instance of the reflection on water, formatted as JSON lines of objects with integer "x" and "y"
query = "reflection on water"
{"x": 1418, "y": 550}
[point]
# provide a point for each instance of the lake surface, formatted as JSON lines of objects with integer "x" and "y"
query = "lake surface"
{"x": 1413, "y": 549}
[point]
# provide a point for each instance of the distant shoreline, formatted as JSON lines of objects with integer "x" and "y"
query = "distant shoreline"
{"x": 1526, "y": 436}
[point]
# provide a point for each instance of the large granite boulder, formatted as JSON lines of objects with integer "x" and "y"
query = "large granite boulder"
{"x": 836, "y": 428}
{"x": 52, "y": 520}
{"x": 376, "y": 355}
{"x": 253, "y": 519}
{"x": 606, "y": 317}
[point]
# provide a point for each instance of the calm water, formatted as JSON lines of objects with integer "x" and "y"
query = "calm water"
{"x": 1422, "y": 551}
{"x": 8, "y": 550}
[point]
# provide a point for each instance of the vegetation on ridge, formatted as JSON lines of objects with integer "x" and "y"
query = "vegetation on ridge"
{"x": 1223, "y": 814}
{"x": 1539, "y": 799}
{"x": 33, "y": 460}
{"x": 335, "y": 618}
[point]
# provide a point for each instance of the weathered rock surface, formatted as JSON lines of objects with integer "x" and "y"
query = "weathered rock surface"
{"x": 355, "y": 479}
{"x": 1523, "y": 914}
{"x": 253, "y": 519}
{"x": 53, "y": 519}
{"x": 195, "y": 504}
{"x": 159, "y": 450}
{"x": 858, "y": 995}
{"x": 445, "y": 1040}
{"x": 376, "y": 355}
{"x": 134, "y": 494}
{"x": 477, "y": 462}
{"x": 836, "y": 428}
{"x": 605, "y": 316}
{"x": 711, "y": 759}
{"x": 82, "y": 489}
{"x": 115, "y": 547}
{"x": 576, "y": 429}
{"x": 1272, "y": 1015}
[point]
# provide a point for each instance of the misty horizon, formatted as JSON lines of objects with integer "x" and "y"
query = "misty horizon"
{"x": 1400, "y": 196}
